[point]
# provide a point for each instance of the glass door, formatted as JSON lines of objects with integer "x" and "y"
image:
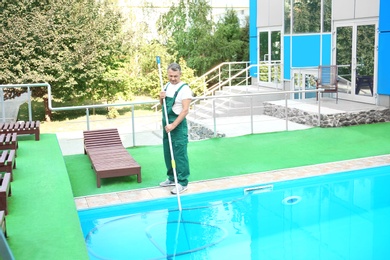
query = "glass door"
{"x": 355, "y": 55}
{"x": 269, "y": 72}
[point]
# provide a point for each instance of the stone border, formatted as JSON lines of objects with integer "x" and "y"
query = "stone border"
{"x": 200, "y": 132}
{"x": 328, "y": 120}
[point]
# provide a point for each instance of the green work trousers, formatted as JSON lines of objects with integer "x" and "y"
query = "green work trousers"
{"x": 179, "y": 138}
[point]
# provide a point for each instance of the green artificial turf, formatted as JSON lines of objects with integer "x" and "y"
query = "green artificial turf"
{"x": 222, "y": 157}
{"x": 43, "y": 222}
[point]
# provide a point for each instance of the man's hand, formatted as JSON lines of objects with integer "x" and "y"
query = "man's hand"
{"x": 169, "y": 127}
{"x": 163, "y": 94}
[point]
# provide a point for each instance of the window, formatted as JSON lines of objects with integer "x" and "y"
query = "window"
{"x": 306, "y": 16}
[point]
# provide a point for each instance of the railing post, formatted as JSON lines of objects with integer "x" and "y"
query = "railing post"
{"x": 286, "y": 111}
{"x": 269, "y": 71}
{"x": 204, "y": 85}
{"x": 219, "y": 76}
{"x": 230, "y": 75}
{"x": 251, "y": 114}
{"x": 87, "y": 115}
{"x": 215, "y": 119}
{"x": 29, "y": 103}
{"x": 2, "y": 104}
{"x": 319, "y": 108}
{"x": 133, "y": 123}
{"x": 246, "y": 78}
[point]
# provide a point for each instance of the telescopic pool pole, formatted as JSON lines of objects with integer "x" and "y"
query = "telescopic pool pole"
{"x": 169, "y": 135}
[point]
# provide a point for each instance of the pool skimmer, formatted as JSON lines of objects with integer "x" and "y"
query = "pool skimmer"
{"x": 259, "y": 189}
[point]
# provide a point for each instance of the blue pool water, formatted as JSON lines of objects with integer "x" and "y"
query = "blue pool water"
{"x": 337, "y": 216}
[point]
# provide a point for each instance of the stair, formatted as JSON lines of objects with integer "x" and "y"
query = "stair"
{"x": 203, "y": 112}
{"x": 233, "y": 106}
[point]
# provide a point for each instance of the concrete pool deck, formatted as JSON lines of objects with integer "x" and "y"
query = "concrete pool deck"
{"x": 145, "y": 194}
{"x": 72, "y": 143}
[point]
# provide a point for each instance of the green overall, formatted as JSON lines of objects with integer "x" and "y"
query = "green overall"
{"x": 179, "y": 138}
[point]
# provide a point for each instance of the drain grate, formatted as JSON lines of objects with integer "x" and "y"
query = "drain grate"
{"x": 291, "y": 200}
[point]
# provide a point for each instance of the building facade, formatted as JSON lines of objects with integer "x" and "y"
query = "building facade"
{"x": 293, "y": 37}
{"x": 148, "y": 12}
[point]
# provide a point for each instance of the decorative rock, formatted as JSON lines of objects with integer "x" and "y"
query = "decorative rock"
{"x": 327, "y": 120}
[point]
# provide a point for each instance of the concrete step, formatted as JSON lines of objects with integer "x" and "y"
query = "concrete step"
{"x": 235, "y": 106}
{"x": 224, "y": 103}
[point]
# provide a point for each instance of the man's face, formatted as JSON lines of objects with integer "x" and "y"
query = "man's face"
{"x": 174, "y": 76}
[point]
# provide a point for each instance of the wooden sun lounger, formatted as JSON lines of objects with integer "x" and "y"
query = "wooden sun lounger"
{"x": 9, "y": 141}
{"x": 5, "y": 191}
{"x": 22, "y": 127}
{"x": 109, "y": 158}
{"x": 3, "y": 225}
{"x": 7, "y": 161}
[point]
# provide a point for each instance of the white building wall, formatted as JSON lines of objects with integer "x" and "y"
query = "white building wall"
{"x": 149, "y": 11}
{"x": 270, "y": 13}
{"x": 355, "y": 9}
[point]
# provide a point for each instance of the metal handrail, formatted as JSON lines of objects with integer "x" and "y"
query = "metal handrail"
{"x": 209, "y": 76}
{"x": 86, "y": 107}
{"x": 287, "y": 95}
{"x": 219, "y": 85}
{"x": 204, "y": 80}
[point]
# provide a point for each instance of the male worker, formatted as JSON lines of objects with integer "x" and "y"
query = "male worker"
{"x": 178, "y": 97}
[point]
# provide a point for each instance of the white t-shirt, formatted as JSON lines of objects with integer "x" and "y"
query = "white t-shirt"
{"x": 184, "y": 93}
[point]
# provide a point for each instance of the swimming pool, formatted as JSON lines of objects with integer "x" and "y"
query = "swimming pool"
{"x": 336, "y": 216}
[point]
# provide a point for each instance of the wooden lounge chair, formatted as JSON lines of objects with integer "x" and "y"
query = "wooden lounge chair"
{"x": 5, "y": 250}
{"x": 108, "y": 156}
{"x": 7, "y": 161}
{"x": 3, "y": 225}
{"x": 5, "y": 191}
{"x": 9, "y": 141}
{"x": 22, "y": 127}
{"x": 328, "y": 80}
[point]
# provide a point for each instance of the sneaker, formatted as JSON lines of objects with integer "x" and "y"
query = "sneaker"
{"x": 167, "y": 183}
{"x": 180, "y": 188}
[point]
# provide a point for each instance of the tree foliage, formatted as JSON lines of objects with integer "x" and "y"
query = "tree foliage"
{"x": 186, "y": 29}
{"x": 190, "y": 33}
{"x": 232, "y": 40}
{"x": 75, "y": 45}
{"x": 89, "y": 52}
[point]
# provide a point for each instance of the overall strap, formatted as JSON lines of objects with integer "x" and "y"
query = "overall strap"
{"x": 166, "y": 87}
{"x": 174, "y": 97}
{"x": 177, "y": 91}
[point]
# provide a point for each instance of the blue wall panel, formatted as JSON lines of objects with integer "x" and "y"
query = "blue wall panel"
{"x": 253, "y": 36}
{"x": 383, "y": 64}
{"x": 306, "y": 52}
{"x": 384, "y": 17}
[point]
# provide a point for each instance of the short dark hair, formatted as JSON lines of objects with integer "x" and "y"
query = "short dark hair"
{"x": 174, "y": 67}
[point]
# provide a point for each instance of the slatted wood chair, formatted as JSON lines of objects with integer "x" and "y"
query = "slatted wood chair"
{"x": 108, "y": 156}
{"x": 22, "y": 127}
{"x": 5, "y": 191}
{"x": 9, "y": 141}
{"x": 328, "y": 80}
{"x": 7, "y": 161}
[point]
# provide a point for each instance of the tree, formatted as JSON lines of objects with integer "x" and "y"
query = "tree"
{"x": 231, "y": 43}
{"x": 74, "y": 45}
{"x": 190, "y": 33}
{"x": 186, "y": 30}
{"x": 143, "y": 70}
